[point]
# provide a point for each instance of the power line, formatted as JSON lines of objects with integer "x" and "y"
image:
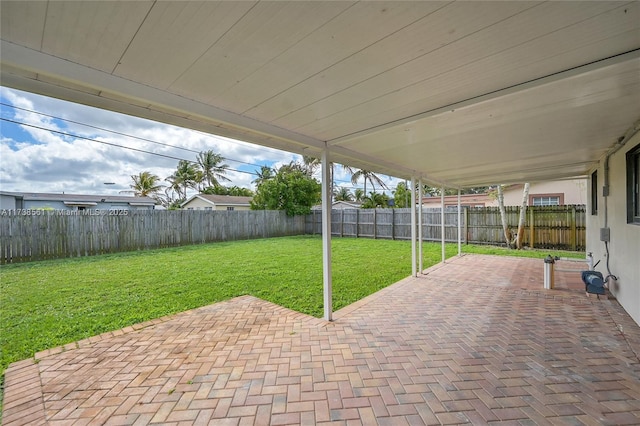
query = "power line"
{"x": 120, "y": 133}
{"x": 133, "y": 137}
{"x": 110, "y": 143}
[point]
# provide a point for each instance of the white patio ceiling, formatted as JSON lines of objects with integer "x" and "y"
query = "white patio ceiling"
{"x": 456, "y": 93}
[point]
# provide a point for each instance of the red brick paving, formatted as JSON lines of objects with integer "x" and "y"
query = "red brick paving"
{"x": 476, "y": 340}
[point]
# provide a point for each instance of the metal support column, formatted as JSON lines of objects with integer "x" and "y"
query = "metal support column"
{"x": 420, "y": 265}
{"x": 326, "y": 236}
{"x": 444, "y": 257}
{"x": 414, "y": 271}
{"x": 459, "y": 226}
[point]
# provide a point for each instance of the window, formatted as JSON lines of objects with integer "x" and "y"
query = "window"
{"x": 594, "y": 193}
{"x": 545, "y": 200}
{"x": 208, "y": 208}
{"x": 633, "y": 185}
{"x": 230, "y": 209}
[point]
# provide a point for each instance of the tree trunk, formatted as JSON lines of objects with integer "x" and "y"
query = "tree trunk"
{"x": 503, "y": 217}
{"x": 523, "y": 210}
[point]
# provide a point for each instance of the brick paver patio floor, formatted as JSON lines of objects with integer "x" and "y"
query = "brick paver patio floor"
{"x": 476, "y": 340}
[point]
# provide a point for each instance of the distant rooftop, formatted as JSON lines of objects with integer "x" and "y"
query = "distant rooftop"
{"x": 35, "y": 196}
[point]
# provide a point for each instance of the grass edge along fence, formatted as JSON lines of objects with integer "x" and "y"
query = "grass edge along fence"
{"x": 546, "y": 227}
{"x": 43, "y": 235}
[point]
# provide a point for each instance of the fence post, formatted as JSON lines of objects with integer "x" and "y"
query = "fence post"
{"x": 375, "y": 224}
{"x": 531, "y": 228}
{"x": 393, "y": 223}
{"x": 466, "y": 226}
{"x": 357, "y": 222}
{"x": 573, "y": 228}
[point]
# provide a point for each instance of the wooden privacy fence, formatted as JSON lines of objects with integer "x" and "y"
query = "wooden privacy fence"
{"x": 558, "y": 227}
{"x": 42, "y": 235}
{"x": 38, "y": 235}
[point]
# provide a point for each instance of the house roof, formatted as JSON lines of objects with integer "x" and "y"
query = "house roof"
{"x": 350, "y": 204}
{"x": 227, "y": 200}
{"x": 455, "y": 93}
{"x": 81, "y": 198}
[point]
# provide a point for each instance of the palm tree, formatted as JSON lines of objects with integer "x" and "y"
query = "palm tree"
{"x": 145, "y": 184}
{"x": 368, "y": 175}
{"x": 359, "y": 195}
{"x": 375, "y": 201}
{"x": 310, "y": 164}
{"x": 264, "y": 175}
{"x": 342, "y": 194}
{"x": 211, "y": 169}
{"x": 185, "y": 176}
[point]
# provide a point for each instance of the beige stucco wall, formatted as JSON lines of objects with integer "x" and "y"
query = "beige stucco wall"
{"x": 624, "y": 248}
{"x": 198, "y": 204}
{"x": 235, "y": 207}
{"x": 574, "y": 190}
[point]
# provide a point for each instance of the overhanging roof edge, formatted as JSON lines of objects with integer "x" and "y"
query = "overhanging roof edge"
{"x": 113, "y": 90}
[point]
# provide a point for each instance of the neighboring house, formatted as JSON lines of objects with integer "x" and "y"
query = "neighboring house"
{"x": 72, "y": 202}
{"x": 217, "y": 202}
{"x": 466, "y": 200}
{"x": 616, "y": 219}
{"x": 340, "y": 205}
{"x": 551, "y": 193}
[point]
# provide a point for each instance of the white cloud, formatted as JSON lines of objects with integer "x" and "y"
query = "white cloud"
{"x": 39, "y": 160}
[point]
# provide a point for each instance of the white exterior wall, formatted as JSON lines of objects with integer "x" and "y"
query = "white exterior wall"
{"x": 7, "y": 202}
{"x": 236, "y": 207}
{"x": 624, "y": 247}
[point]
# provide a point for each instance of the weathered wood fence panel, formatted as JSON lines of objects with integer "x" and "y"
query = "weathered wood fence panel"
{"x": 51, "y": 235}
{"x": 559, "y": 227}
{"x": 43, "y": 235}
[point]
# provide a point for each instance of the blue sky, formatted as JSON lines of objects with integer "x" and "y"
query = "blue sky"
{"x": 36, "y": 160}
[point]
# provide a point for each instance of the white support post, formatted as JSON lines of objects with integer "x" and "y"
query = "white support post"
{"x": 459, "y": 226}
{"x": 326, "y": 236}
{"x": 420, "y": 263}
{"x": 444, "y": 257}
{"x": 414, "y": 271}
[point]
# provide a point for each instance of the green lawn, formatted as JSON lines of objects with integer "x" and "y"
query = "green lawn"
{"x": 47, "y": 304}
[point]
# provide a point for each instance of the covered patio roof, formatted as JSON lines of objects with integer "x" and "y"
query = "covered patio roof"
{"x": 456, "y": 94}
